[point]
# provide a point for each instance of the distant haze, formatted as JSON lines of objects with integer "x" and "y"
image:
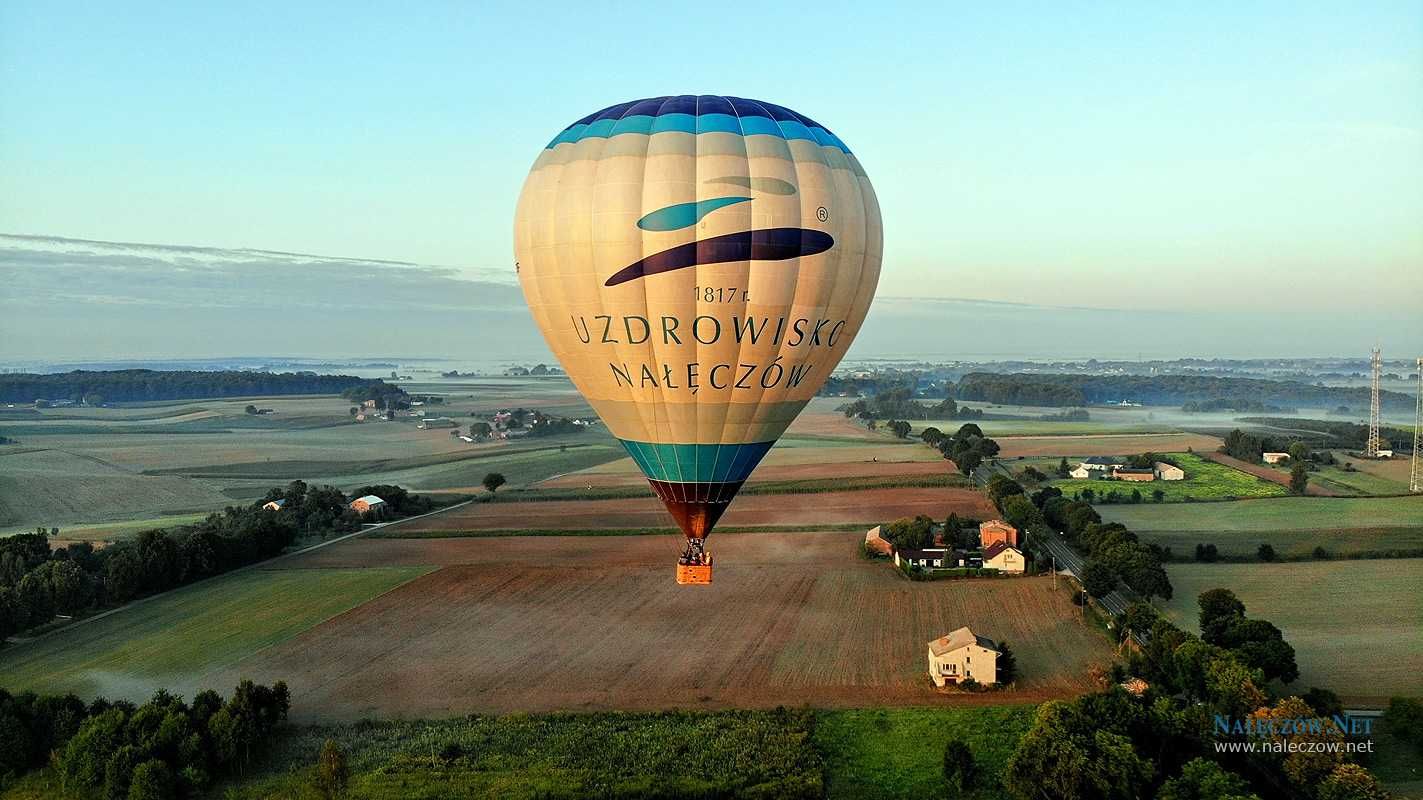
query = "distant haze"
{"x": 68, "y": 299}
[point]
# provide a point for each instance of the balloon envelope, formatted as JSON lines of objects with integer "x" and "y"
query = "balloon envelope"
{"x": 698, "y": 265}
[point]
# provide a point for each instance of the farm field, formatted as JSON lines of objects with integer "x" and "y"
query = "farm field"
{"x": 1353, "y": 624}
{"x": 1205, "y": 480}
{"x": 792, "y": 619}
{"x": 173, "y": 639}
{"x": 1114, "y": 444}
{"x": 91, "y": 468}
{"x": 884, "y": 754}
{"x": 870, "y": 506}
{"x": 56, "y": 489}
{"x": 1294, "y": 526}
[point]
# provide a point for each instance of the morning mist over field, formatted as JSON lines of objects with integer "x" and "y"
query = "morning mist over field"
{"x": 71, "y": 299}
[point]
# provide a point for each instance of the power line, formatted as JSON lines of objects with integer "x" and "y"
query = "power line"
{"x": 1415, "y": 478}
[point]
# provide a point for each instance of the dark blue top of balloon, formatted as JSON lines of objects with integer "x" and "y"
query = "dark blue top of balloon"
{"x": 705, "y": 113}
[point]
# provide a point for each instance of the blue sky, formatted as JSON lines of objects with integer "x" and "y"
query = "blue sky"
{"x": 1188, "y": 157}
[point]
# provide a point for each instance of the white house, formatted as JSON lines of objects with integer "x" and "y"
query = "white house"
{"x": 1169, "y": 472}
{"x": 1275, "y": 458}
{"x": 1005, "y": 558}
{"x": 962, "y": 655}
{"x": 929, "y": 558}
{"x": 1080, "y": 472}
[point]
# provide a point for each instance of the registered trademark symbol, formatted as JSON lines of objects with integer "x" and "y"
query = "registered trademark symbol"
{"x": 822, "y": 214}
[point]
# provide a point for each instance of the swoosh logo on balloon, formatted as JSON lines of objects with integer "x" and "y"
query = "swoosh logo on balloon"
{"x": 685, "y": 215}
{"x": 770, "y": 244}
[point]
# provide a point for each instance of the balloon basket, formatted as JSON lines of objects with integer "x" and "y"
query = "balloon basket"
{"x": 695, "y": 574}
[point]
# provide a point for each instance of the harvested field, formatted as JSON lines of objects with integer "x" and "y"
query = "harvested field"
{"x": 1353, "y": 624}
{"x": 1083, "y": 446}
{"x": 871, "y": 506}
{"x": 625, "y": 473}
{"x": 579, "y": 623}
{"x": 1267, "y": 473}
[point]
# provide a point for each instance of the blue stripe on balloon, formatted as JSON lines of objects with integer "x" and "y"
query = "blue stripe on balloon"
{"x": 696, "y": 463}
{"x": 685, "y": 215}
{"x": 750, "y": 126}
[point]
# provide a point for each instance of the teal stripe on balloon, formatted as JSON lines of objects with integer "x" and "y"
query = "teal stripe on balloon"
{"x": 696, "y": 463}
{"x": 706, "y": 123}
{"x": 685, "y": 215}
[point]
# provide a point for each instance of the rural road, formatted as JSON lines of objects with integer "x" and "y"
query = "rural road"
{"x": 1115, "y": 603}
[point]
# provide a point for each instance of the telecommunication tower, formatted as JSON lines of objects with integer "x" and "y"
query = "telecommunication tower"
{"x": 1375, "y": 367}
{"x": 1415, "y": 479}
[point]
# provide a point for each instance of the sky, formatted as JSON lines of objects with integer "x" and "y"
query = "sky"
{"x": 1187, "y": 159}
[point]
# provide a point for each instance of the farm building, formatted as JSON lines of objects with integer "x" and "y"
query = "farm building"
{"x": 1275, "y": 458}
{"x": 1102, "y": 463}
{"x": 1384, "y": 454}
{"x": 930, "y": 558}
{"x": 274, "y": 505}
{"x": 1133, "y": 474}
{"x": 951, "y": 658}
{"x": 1169, "y": 472}
{"x": 367, "y": 504}
{"x": 1080, "y": 472}
{"x": 1005, "y": 558}
{"x": 876, "y": 543}
{"x": 437, "y": 422}
{"x": 996, "y": 530}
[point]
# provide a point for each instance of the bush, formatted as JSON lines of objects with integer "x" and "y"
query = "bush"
{"x": 1265, "y": 553}
{"x": 332, "y": 774}
{"x": 960, "y": 770}
{"x": 152, "y": 780}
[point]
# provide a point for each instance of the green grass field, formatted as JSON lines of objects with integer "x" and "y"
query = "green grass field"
{"x": 175, "y": 638}
{"x": 898, "y": 752}
{"x": 882, "y": 754}
{"x": 1353, "y": 624}
{"x": 1205, "y": 480}
{"x": 1294, "y": 526}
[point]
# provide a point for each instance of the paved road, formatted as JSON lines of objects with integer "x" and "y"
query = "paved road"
{"x": 1115, "y": 603}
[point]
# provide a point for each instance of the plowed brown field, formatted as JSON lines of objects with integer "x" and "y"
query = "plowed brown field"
{"x": 1103, "y": 444}
{"x": 550, "y": 623}
{"x": 870, "y": 506}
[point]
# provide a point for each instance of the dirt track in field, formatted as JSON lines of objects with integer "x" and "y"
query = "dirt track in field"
{"x": 582, "y": 623}
{"x": 870, "y": 506}
{"x": 1266, "y": 473}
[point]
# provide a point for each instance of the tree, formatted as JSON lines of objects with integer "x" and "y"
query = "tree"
{"x": 908, "y": 533}
{"x": 1205, "y": 780}
{"x": 1000, "y": 487}
{"x": 1351, "y": 782}
{"x": 1218, "y": 607}
{"x": 250, "y": 409}
{"x": 1299, "y": 452}
{"x": 353, "y": 411}
{"x": 1265, "y": 552}
{"x": 152, "y": 780}
{"x": 1299, "y": 477}
{"x": 960, "y": 770}
{"x": 1158, "y": 495}
{"x": 1098, "y": 579}
{"x": 1007, "y": 664}
{"x": 332, "y": 774}
{"x": 1067, "y": 755}
{"x": 1019, "y": 511}
{"x": 1063, "y": 470}
{"x": 493, "y": 481}
{"x": 1207, "y": 553}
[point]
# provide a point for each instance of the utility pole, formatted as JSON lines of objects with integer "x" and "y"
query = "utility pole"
{"x": 1415, "y": 479}
{"x": 1375, "y": 366}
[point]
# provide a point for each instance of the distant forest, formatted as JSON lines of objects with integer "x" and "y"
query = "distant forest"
{"x": 135, "y": 385}
{"x": 1162, "y": 390}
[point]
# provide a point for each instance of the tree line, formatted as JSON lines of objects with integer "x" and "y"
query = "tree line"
{"x": 899, "y": 403}
{"x": 1076, "y": 390}
{"x": 36, "y": 583}
{"x": 1113, "y": 745}
{"x": 138, "y": 385}
{"x": 163, "y": 749}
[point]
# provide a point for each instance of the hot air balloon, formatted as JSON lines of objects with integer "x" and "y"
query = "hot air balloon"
{"x": 699, "y": 265}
